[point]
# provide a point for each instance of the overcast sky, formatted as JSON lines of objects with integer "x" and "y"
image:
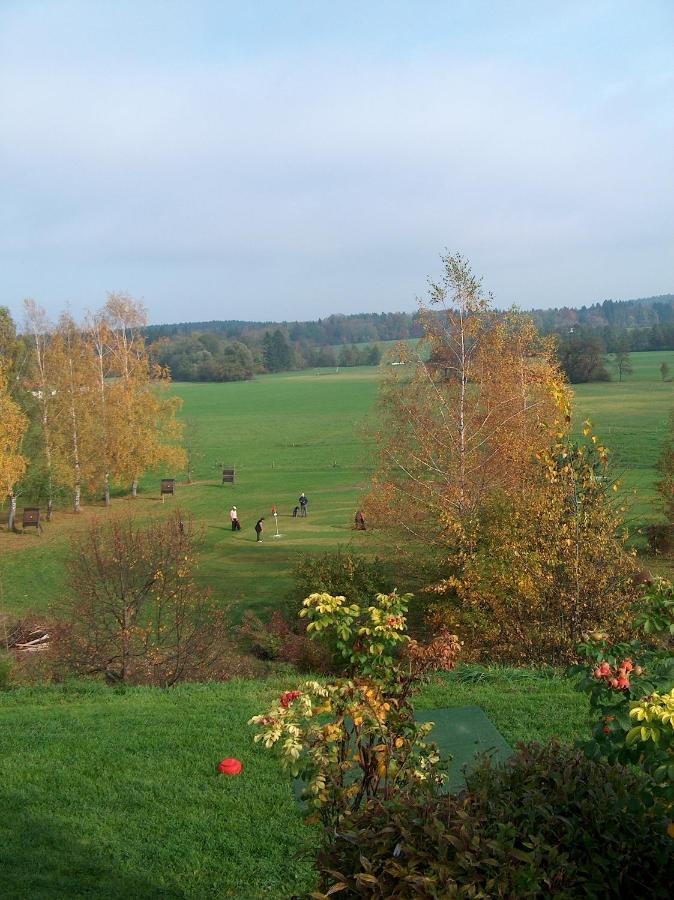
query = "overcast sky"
{"x": 287, "y": 160}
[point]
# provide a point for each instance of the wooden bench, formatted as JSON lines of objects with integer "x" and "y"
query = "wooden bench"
{"x": 228, "y": 476}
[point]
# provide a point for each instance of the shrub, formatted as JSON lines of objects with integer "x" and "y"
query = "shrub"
{"x": 624, "y": 683}
{"x": 548, "y": 823}
{"x": 135, "y": 614}
{"x": 660, "y": 538}
{"x": 356, "y": 738}
{"x": 340, "y": 573}
{"x": 532, "y": 572}
{"x": 656, "y": 614}
{"x": 276, "y": 640}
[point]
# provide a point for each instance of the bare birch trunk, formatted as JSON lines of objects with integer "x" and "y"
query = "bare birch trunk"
{"x": 11, "y": 519}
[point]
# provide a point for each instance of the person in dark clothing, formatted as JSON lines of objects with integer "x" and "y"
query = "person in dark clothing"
{"x": 360, "y": 521}
{"x": 296, "y": 510}
{"x": 303, "y": 504}
{"x": 259, "y": 528}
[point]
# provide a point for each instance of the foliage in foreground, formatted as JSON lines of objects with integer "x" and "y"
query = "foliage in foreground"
{"x": 550, "y": 822}
{"x": 631, "y": 691}
{"x": 356, "y": 738}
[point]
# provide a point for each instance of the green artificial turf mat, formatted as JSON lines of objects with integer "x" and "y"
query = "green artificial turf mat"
{"x": 461, "y": 732}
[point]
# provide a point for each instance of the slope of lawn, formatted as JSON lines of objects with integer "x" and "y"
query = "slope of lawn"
{"x": 114, "y": 794}
{"x": 311, "y": 432}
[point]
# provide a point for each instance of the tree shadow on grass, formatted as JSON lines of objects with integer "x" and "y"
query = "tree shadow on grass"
{"x": 40, "y": 858}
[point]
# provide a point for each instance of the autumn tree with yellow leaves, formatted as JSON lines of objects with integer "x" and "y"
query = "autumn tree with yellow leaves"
{"x": 472, "y": 424}
{"x": 102, "y": 411}
{"x": 13, "y": 424}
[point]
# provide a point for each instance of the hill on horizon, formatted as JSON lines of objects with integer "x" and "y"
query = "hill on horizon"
{"x": 338, "y": 328}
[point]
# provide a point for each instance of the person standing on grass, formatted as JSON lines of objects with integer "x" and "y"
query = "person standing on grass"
{"x": 303, "y": 504}
{"x": 234, "y": 516}
{"x": 259, "y": 528}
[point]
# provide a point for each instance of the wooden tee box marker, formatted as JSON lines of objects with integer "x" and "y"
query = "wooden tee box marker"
{"x": 31, "y": 518}
{"x": 168, "y": 486}
{"x": 228, "y": 476}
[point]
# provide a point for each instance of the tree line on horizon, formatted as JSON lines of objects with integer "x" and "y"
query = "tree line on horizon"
{"x": 237, "y": 350}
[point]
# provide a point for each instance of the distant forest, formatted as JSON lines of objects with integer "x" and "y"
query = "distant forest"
{"x": 235, "y": 350}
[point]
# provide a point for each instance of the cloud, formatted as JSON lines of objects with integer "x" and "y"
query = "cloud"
{"x": 296, "y": 179}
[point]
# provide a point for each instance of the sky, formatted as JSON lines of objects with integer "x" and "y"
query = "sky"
{"x": 289, "y": 160}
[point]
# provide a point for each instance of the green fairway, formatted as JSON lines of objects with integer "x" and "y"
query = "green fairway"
{"x": 632, "y": 419}
{"x": 114, "y": 794}
{"x": 308, "y": 432}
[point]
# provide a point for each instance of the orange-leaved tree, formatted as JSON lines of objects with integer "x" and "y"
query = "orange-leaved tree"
{"x": 147, "y": 432}
{"x": 465, "y": 413}
{"x": 13, "y": 424}
{"x": 468, "y": 422}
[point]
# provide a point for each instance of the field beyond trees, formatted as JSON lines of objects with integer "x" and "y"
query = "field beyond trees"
{"x": 312, "y": 432}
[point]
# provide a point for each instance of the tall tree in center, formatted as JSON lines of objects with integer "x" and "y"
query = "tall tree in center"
{"x": 464, "y": 412}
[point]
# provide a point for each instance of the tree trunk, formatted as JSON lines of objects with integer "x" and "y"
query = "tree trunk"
{"x": 76, "y": 498}
{"x": 134, "y": 488}
{"x": 50, "y": 505}
{"x": 107, "y": 489}
{"x": 12, "y": 513}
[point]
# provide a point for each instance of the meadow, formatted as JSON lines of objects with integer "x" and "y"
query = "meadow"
{"x": 114, "y": 793}
{"x": 312, "y": 432}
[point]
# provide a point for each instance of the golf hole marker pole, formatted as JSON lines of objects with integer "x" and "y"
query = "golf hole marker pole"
{"x": 275, "y": 515}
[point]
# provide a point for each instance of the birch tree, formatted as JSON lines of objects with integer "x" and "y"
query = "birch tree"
{"x": 465, "y": 412}
{"x": 74, "y": 384}
{"x": 13, "y": 424}
{"x": 41, "y": 381}
{"x": 149, "y": 432}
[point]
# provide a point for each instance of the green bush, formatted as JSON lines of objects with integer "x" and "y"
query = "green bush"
{"x": 548, "y": 823}
{"x": 340, "y": 573}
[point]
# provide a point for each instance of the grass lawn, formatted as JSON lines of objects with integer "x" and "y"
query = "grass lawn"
{"x": 309, "y": 432}
{"x": 115, "y": 795}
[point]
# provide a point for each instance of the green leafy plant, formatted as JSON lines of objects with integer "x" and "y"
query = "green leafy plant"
{"x": 548, "y": 823}
{"x": 356, "y": 738}
{"x": 656, "y": 615}
{"x": 620, "y": 681}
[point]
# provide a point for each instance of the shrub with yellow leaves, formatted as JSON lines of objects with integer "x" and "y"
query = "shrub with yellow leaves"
{"x": 356, "y": 738}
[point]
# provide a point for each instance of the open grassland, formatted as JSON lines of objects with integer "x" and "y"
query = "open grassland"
{"x": 114, "y": 794}
{"x": 311, "y": 432}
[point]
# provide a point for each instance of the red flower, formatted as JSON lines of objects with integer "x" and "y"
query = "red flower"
{"x": 288, "y": 697}
{"x": 231, "y": 766}
{"x": 605, "y": 669}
